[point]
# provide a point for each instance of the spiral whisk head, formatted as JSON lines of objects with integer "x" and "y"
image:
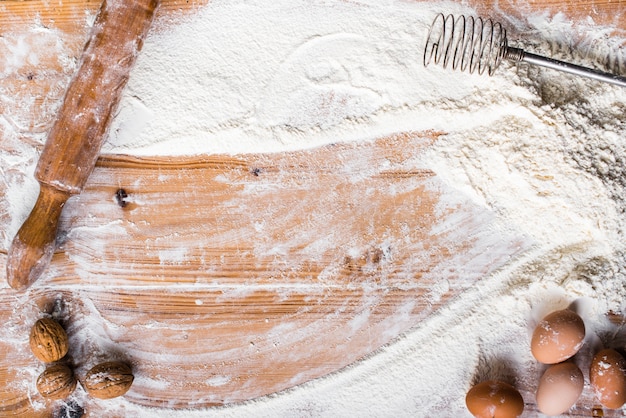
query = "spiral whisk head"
{"x": 466, "y": 43}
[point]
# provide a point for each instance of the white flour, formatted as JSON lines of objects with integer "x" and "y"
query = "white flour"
{"x": 274, "y": 76}
{"x": 543, "y": 151}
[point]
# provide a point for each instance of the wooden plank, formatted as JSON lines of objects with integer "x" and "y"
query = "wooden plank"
{"x": 73, "y": 16}
{"x": 70, "y": 15}
{"x": 122, "y": 273}
{"x": 602, "y": 12}
{"x": 233, "y": 261}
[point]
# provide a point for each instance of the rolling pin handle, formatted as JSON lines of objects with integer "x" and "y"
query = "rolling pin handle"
{"x": 33, "y": 246}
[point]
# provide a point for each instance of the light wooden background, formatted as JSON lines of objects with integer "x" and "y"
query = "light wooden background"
{"x": 256, "y": 272}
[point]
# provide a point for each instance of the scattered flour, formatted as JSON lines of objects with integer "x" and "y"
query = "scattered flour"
{"x": 543, "y": 151}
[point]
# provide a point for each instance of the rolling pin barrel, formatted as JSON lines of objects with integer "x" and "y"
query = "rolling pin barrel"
{"x": 74, "y": 142}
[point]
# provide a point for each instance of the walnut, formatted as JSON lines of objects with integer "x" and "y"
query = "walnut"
{"x": 48, "y": 340}
{"x": 56, "y": 382}
{"x": 108, "y": 380}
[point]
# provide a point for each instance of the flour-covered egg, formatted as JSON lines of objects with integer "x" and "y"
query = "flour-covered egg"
{"x": 559, "y": 388}
{"x": 608, "y": 378}
{"x": 558, "y": 337}
{"x": 494, "y": 399}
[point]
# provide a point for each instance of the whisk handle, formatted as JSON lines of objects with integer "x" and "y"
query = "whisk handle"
{"x": 517, "y": 54}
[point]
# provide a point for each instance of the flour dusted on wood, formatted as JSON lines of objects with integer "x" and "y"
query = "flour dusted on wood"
{"x": 539, "y": 149}
{"x": 542, "y": 151}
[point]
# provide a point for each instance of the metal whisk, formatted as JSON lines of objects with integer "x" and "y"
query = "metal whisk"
{"x": 479, "y": 45}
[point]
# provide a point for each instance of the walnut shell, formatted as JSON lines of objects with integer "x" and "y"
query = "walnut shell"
{"x": 56, "y": 382}
{"x": 48, "y": 340}
{"x": 108, "y": 380}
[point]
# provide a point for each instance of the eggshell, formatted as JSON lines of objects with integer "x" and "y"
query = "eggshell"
{"x": 559, "y": 388}
{"x": 558, "y": 337}
{"x": 494, "y": 399}
{"x": 608, "y": 378}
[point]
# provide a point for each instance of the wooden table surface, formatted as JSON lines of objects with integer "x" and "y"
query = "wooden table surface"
{"x": 226, "y": 278}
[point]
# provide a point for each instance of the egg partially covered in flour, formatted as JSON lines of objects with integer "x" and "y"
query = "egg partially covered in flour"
{"x": 557, "y": 337}
{"x": 607, "y": 375}
{"x": 494, "y": 399}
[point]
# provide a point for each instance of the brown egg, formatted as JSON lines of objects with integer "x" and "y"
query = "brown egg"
{"x": 608, "y": 378}
{"x": 558, "y": 337}
{"x": 559, "y": 388}
{"x": 494, "y": 399}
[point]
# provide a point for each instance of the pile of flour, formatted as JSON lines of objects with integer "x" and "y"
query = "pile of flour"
{"x": 542, "y": 150}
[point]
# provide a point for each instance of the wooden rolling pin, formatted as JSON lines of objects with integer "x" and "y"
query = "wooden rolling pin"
{"x": 73, "y": 144}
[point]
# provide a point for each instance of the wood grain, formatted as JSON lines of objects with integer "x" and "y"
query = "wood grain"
{"x": 342, "y": 247}
{"x": 74, "y": 141}
{"x": 235, "y": 263}
{"x": 69, "y": 15}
